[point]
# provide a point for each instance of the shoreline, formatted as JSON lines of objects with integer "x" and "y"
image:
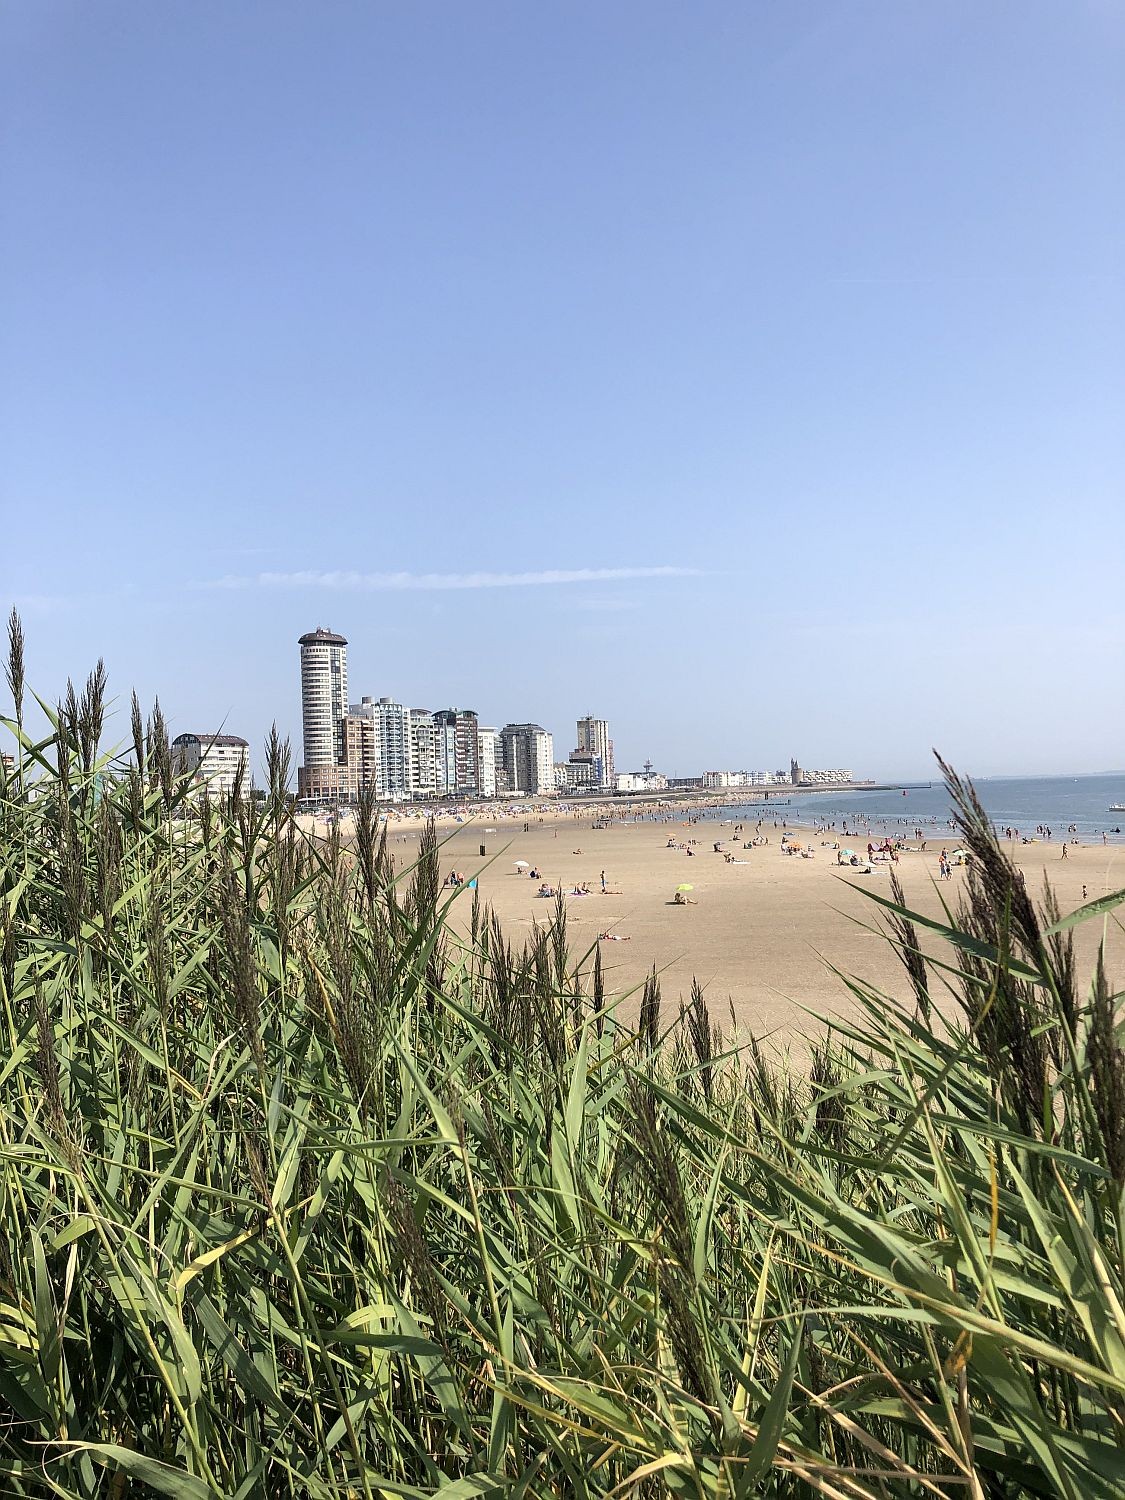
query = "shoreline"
{"x": 652, "y": 807}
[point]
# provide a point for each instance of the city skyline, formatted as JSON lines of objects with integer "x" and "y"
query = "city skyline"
{"x": 415, "y": 754}
{"x": 757, "y": 375}
{"x": 406, "y": 754}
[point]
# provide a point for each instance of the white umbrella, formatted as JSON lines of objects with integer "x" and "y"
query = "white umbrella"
{"x": 522, "y": 864}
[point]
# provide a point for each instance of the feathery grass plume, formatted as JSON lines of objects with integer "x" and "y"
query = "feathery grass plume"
{"x": 137, "y": 730}
{"x": 649, "y": 1021}
{"x": 907, "y": 947}
{"x": 998, "y": 878}
{"x": 279, "y": 769}
{"x": 15, "y": 673}
{"x": 413, "y": 1255}
{"x": 47, "y": 1065}
{"x": 91, "y": 716}
{"x": 238, "y": 800}
{"x": 1007, "y": 1011}
{"x": 503, "y": 1010}
{"x": 15, "y": 667}
{"x": 477, "y": 919}
{"x": 558, "y": 942}
{"x": 367, "y": 842}
{"x": 238, "y": 948}
{"x": 69, "y": 715}
{"x": 547, "y": 1002}
{"x": 68, "y": 807}
{"x": 425, "y": 887}
{"x": 423, "y": 900}
{"x": 700, "y": 1033}
{"x": 825, "y": 1077}
{"x": 109, "y": 858}
{"x": 1060, "y": 947}
{"x": 1106, "y": 1061}
{"x": 673, "y": 1239}
{"x": 206, "y": 822}
{"x": 356, "y": 994}
{"x": 597, "y": 998}
{"x": 271, "y": 826}
{"x": 158, "y": 755}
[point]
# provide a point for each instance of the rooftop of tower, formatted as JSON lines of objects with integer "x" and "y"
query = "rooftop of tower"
{"x": 211, "y": 739}
{"x": 322, "y": 637}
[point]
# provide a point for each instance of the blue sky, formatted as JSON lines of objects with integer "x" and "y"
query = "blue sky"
{"x": 751, "y": 374}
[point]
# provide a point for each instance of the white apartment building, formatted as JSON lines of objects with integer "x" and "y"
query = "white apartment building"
{"x": 324, "y": 697}
{"x": 527, "y": 754}
{"x": 714, "y": 780}
{"x": 216, "y": 763}
{"x": 488, "y": 753}
{"x": 720, "y": 779}
{"x": 544, "y": 762}
{"x": 423, "y": 753}
{"x": 640, "y": 781}
{"x": 456, "y": 752}
{"x": 594, "y": 742}
{"x": 575, "y": 776}
{"x": 392, "y": 747}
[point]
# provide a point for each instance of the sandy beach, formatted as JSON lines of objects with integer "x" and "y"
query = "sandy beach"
{"x": 765, "y": 928}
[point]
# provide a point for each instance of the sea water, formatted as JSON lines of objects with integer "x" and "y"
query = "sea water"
{"x": 1023, "y": 802}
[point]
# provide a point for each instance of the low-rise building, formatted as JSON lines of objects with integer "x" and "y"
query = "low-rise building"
{"x": 576, "y": 776}
{"x": 721, "y": 779}
{"x": 216, "y": 763}
{"x": 717, "y": 780}
{"x": 640, "y": 781}
{"x": 318, "y": 785}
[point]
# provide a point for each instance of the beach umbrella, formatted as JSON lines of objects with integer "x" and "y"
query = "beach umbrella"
{"x": 522, "y": 864}
{"x": 685, "y": 888}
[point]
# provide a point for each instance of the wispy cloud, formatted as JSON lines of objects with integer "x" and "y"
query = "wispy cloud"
{"x": 601, "y": 606}
{"x": 351, "y": 582}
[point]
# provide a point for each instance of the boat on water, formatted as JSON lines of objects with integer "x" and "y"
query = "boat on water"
{"x": 1118, "y": 807}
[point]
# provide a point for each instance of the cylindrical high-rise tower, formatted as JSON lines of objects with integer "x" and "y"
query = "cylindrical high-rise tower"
{"x": 324, "y": 696}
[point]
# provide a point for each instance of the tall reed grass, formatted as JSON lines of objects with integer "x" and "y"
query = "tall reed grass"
{"x": 303, "y": 1194}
